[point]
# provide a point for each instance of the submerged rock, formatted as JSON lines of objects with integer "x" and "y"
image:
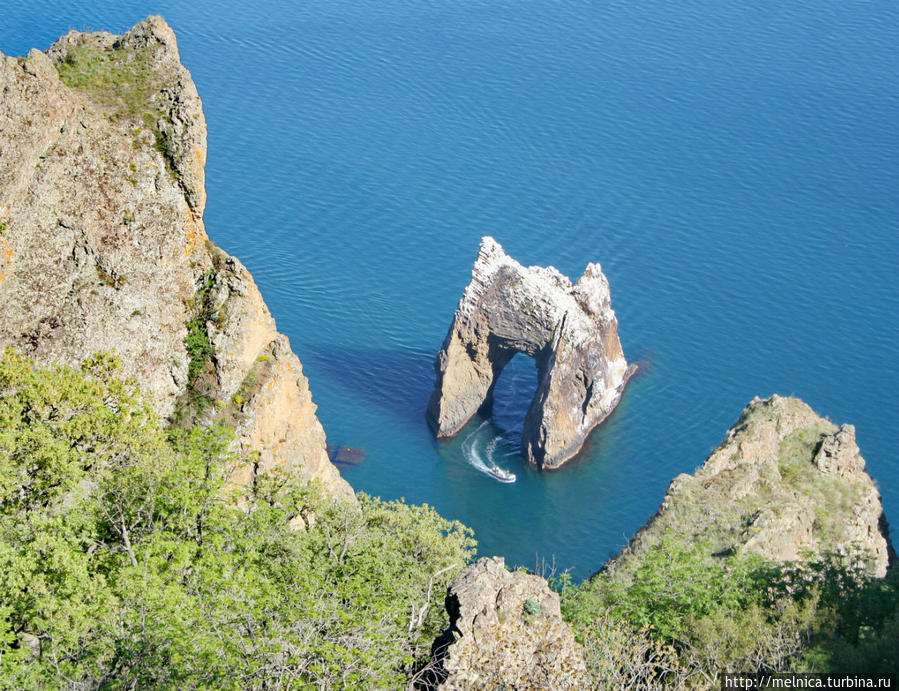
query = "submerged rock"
{"x": 506, "y": 631}
{"x": 570, "y": 331}
{"x": 103, "y": 245}
{"x": 786, "y": 484}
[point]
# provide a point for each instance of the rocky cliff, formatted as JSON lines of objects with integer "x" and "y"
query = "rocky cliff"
{"x": 506, "y": 631}
{"x": 103, "y": 246}
{"x": 571, "y": 332}
{"x": 785, "y": 484}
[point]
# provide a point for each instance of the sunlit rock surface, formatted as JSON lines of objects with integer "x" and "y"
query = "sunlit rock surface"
{"x": 785, "y": 483}
{"x": 103, "y": 246}
{"x": 506, "y": 631}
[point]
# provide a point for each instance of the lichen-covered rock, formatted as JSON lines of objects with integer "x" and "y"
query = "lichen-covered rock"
{"x": 161, "y": 89}
{"x": 784, "y": 484}
{"x": 506, "y": 632}
{"x": 570, "y": 330}
{"x": 103, "y": 246}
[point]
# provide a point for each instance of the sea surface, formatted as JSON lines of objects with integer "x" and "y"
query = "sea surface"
{"x": 734, "y": 166}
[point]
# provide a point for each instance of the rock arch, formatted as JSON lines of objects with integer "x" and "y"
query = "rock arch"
{"x": 570, "y": 331}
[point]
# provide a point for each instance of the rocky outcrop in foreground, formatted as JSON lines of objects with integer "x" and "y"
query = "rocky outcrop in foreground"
{"x": 570, "y": 330}
{"x": 784, "y": 484}
{"x": 103, "y": 246}
{"x": 506, "y": 631}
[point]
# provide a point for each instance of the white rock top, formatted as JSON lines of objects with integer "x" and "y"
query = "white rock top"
{"x": 545, "y": 288}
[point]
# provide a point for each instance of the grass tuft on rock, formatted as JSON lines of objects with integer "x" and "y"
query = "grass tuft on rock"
{"x": 123, "y": 81}
{"x": 120, "y": 77}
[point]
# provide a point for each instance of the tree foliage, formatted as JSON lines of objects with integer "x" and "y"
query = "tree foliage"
{"x": 684, "y": 616}
{"x": 127, "y": 560}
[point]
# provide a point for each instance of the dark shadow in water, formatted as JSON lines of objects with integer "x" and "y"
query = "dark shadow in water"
{"x": 400, "y": 380}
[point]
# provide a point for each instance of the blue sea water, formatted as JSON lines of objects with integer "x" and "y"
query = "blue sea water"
{"x": 734, "y": 166}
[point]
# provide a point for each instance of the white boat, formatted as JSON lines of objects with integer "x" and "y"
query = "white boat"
{"x": 499, "y": 474}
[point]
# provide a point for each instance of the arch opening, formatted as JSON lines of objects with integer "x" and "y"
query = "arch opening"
{"x": 509, "y": 398}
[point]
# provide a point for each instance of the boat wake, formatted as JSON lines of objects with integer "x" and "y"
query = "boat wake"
{"x": 479, "y": 449}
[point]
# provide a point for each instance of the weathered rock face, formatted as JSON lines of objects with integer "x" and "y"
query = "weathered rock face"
{"x": 506, "y": 631}
{"x": 570, "y": 330}
{"x": 784, "y": 483}
{"x": 103, "y": 247}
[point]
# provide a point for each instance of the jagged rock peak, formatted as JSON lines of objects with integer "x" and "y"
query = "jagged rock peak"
{"x": 785, "y": 484}
{"x": 148, "y": 56}
{"x": 103, "y": 246}
{"x": 571, "y": 332}
{"x": 506, "y": 631}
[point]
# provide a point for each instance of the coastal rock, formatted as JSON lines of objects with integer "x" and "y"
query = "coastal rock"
{"x": 103, "y": 245}
{"x": 171, "y": 94}
{"x": 785, "y": 484}
{"x": 506, "y": 631}
{"x": 570, "y": 331}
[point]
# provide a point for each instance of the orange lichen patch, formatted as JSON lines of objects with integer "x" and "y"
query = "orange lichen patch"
{"x": 194, "y": 235}
{"x": 197, "y": 162}
{"x": 5, "y": 258}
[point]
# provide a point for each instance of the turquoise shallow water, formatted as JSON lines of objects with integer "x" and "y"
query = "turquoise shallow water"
{"x": 733, "y": 167}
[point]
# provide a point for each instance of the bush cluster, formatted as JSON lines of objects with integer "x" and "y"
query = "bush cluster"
{"x": 127, "y": 559}
{"x": 684, "y": 616}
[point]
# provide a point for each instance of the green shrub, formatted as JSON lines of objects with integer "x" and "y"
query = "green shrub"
{"x": 683, "y": 616}
{"x": 128, "y": 560}
{"x": 199, "y": 395}
{"x": 199, "y": 347}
